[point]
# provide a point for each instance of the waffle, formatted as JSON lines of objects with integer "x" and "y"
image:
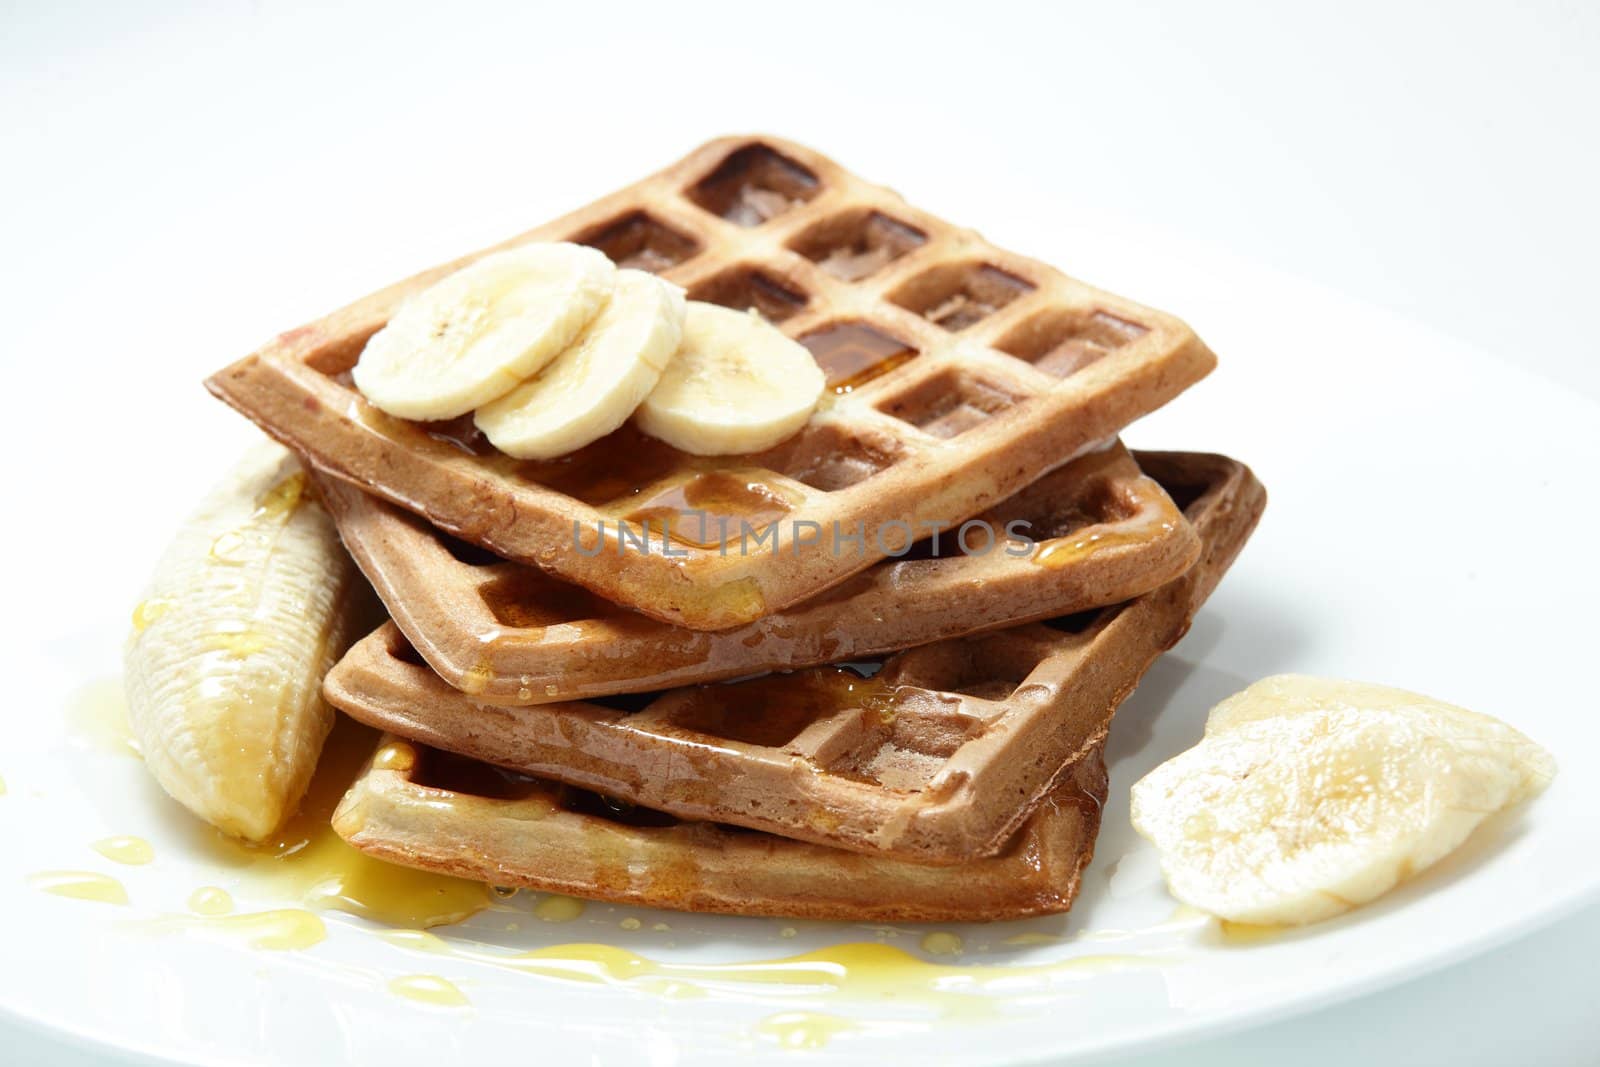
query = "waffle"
{"x": 936, "y": 758}
{"x": 959, "y": 373}
{"x": 420, "y": 807}
{"x": 509, "y": 634}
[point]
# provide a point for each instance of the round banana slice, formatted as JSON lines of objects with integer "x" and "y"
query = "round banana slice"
{"x": 736, "y": 385}
{"x": 479, "y": 333}
{"x": 1308, "y": 797}
{"x": 591, "y": 388}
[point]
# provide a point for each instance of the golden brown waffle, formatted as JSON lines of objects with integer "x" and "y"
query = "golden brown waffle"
{"x": 510, "y": 634}
{"x": 936, "y": 758}
{"x": 959, "y": 374}
{"x": 424, "y": 808}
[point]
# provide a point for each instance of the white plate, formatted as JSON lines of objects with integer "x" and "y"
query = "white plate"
{"x": 1429, "y": 527}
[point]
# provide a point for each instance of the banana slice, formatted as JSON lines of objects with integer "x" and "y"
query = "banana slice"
{"x": 249, "y": 607}
{"x": 1308, "y": 797}
{"x": 736, "y": 385}
{"x": 591, "y": 388}
{"x": 477, "y": 334}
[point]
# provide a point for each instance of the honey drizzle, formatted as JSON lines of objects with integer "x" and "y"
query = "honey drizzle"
{"x": 1064, "y": 551}
{"x": 852, "y": 354}
{"x": 712, "y": 508}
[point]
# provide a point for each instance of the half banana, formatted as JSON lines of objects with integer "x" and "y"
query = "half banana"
{"x": 250, "y": 606}
{"x": 1308, "y": 797}
{"x": 591, "y": 388}
{"x": 737, "y": 385}
{"x": 479, "y": 333}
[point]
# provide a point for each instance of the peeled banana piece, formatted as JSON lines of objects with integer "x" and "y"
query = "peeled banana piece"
{"x": 591, "y": 388}
{"x": 1308, "y": 797}
{"x": 479, "y": 333}
{"x": 252, "y": 603}
{"x": 736, "y": 385}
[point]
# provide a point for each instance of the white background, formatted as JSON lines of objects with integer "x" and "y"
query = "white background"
{"x": 1438, "y": 160}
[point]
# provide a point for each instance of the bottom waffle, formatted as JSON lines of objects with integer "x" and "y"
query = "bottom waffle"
{"x": 424, "y": 808}
{"x": 938, "y": 758}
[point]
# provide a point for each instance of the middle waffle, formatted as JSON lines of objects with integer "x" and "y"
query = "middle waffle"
{"x": 507, "y": 633}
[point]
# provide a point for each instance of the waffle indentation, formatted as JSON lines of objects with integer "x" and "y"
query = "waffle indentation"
{"x": 754, "y": 184}
{"x": 857, "y": 244}
{"x": 950, "y": 403}
{"x": 1099, "y": 503}
{"x": 618, "y": 467}
{"x": 742, "y": 288}
{"x": 639, "y": 241}
{"x": 1063, "y": 341}
{"x": 852, "y": 354}
{"x": 911, "y": 742}
{"x": 981, "y": 667}
{"x": 526, "y": 598}
{"x": 829, "y": 457}
{"x": 957, "y": 295}
{"x": 450, "y": 773}
{"x": 770, "y": 712}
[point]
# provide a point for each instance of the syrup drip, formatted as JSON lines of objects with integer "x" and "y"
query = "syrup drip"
{"x": 711, "y": 509}
{"x": 134, "y": 851}
{"x": 210, "y": 900}
{"x": 851, "y": 354}
{"x": 80, "y": 885}
{"x": 558, "y": 909}
{"x": 428, "y": 989}
{"x": 1064, "y": 551}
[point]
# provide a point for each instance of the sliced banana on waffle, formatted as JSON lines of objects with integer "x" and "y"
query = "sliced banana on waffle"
{"x": 482, "y": 331}
{"x": 1308, "y": 797}
{"x": 250, "y": 606}
{"x": 736, "y": 385}
{"x": 591, "y": 388}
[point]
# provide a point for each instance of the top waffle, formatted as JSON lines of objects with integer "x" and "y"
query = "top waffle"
{"x": 508, "y": 634}
{"x": 959, "y": 372}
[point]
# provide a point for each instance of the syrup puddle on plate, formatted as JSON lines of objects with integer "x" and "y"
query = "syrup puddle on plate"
{"x": 307, "y": 868}
{"x": 276, "y": 930}
{"x": 97, "y": 718}
{"x": 308, "y": 863}
{"x": 853, "y": 972}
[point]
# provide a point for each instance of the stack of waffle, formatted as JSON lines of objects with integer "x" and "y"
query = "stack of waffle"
{"x": 916, "y": 725}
